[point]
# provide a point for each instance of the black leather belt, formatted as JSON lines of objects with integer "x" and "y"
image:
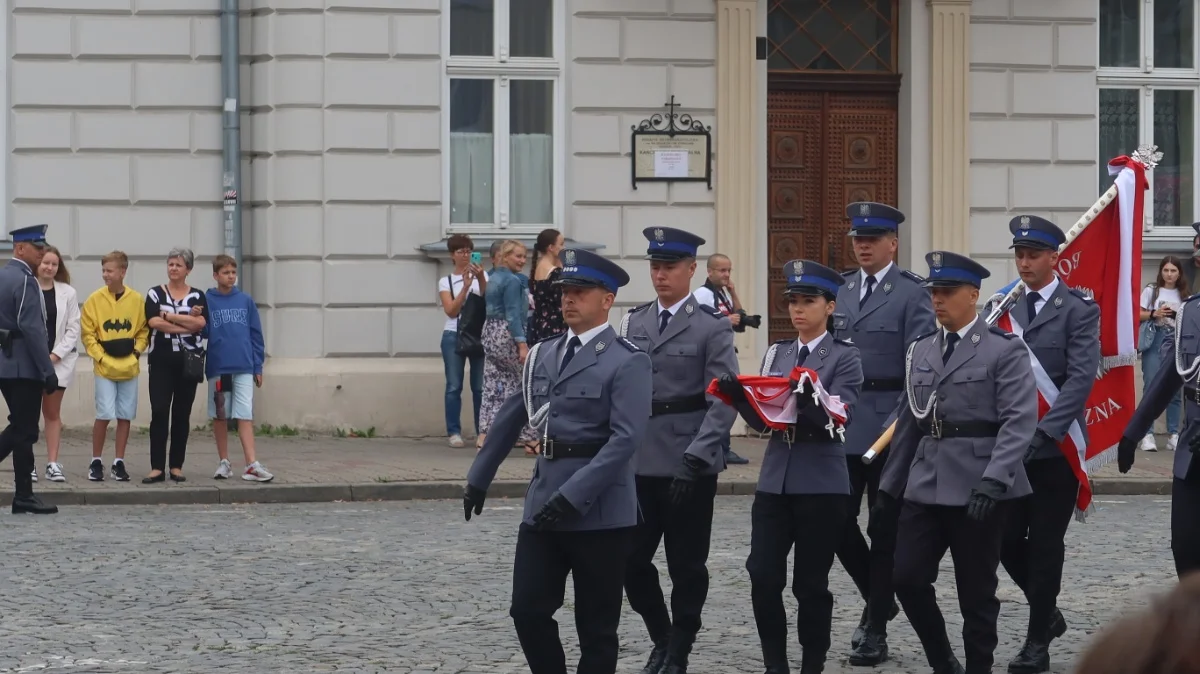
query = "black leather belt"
{"x": 806, "y": 433}
{"x": 679, "y": 405}
{"x": 966, "y": 429}
{"x": 1192, "y": 393}
{"x": 557, "y": 449}
{"x": 883, "y": 385}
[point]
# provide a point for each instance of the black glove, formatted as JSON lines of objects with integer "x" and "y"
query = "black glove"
{"x": 685, "y": 478}
{"x": 1194, "y": 444}
{"x": 983, "y": 499}
{"x": 473, "y": 500}
{"x": 556, "y": 510}
{"x": 1126, "y": 451}
{"x": 730, "y": 387}
{"x": 1040, "y": 439}
{"x": 51, "y": 383}
{"x": 882, "y": 520}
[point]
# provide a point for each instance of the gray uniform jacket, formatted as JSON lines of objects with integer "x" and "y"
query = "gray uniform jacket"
{"x": 696, "y": 348}
{"x": 811, "y": 466}
{"x": 1167, "y": 382}
{"x": 602, "y": 396}
{"x": 1065, "y": 338}
{"x": 897, "y": 313}
{"x": 22, "y": 308}
{"x": 988, "y": 379}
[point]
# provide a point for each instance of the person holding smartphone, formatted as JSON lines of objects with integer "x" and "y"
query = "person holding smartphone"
{"x": 468, "y": 277}
{"x": 1159, "y": 303}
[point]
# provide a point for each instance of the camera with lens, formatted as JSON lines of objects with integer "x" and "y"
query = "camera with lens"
{"x": 752, "y": 321}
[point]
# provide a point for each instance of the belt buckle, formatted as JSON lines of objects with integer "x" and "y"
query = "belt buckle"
{"x": 789, "y": 435}
{"x": 935, "y": 429}
{"x": 548, "y": 449}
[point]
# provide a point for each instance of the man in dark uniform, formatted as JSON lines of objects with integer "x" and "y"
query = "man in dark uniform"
{"x": 589, "y": 391}
{"x": 803, "y": 487}
{"x": 881, "y": 309}
{"x": 1192, "y": 263}
{"x": 961, "y": 433}
{"x": 25, "y": 367}
{"x": 679, "y": 458}
{"x": 1061, "y": 326}
{"x": 1180, "y": 369}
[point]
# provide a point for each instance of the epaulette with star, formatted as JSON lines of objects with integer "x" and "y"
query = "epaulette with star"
{"x": 710, "y": 310}
{"x": 785, "y": 341}
{"x": 1081, "y": 295}
{"x": 850, "y": 273}
{"x": 844, "y": 342}
{"x": 1001, "y": 331}
{"x": 628, "y": 344}
{"x": 927, "y": 335}
{"x": 551, "y": 337}
{"x": 640, "y": 307}
{"x": 915, "y": 278}
{"x": 1193, "y": 297}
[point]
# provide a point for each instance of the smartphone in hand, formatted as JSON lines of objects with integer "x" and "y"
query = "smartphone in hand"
{"x": 476, "y": 258}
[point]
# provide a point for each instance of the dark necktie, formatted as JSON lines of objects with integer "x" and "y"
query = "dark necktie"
{"x": 951, "y": 340}
{"x": 802, "y": 356}
{"x": 663, "y": 319}
{"x": 572, "y": 346}
{"x": 1032, "y": 299}
{"x": 870, "y": 287}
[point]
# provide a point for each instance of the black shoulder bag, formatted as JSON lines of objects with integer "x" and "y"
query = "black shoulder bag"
{"x": 193, "y": 359}
{"x": 470, "y": 324}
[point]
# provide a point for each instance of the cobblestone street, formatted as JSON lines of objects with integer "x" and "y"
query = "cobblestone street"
{"x": 410, "y": 587}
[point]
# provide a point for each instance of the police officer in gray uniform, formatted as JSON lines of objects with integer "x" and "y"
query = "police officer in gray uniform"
{"x": 588, "y": 390}
{"x": 25, "y": 367}
{"x": 1061, "y": 325}
{"x": 961, "y": 433}
{"x": 881, "y": 309}
{"x": 678, "y": 460}
{"x": 803, "y": 487}
{"x": 1180, "y": 369}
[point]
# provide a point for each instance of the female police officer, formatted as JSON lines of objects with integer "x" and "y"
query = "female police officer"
{"x": 803, "y": 485}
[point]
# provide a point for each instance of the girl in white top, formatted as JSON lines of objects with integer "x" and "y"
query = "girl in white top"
{"x": 62, "y": 318}
{"x": 467, "y": 278}
{"x": 1159, "y": 303}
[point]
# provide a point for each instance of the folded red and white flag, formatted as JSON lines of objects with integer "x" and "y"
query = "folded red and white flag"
{"x": 773, "y": 399}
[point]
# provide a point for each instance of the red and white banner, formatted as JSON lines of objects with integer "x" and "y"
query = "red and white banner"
{"x": 773, "y": 400}
{"x": 1105, "y": 260}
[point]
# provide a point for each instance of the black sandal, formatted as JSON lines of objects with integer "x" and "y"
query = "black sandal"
{"x": 151, "y": 479}
{"x": 178, "y": 477}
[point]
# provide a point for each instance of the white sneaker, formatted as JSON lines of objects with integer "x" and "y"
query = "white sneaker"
{"x": 54, "y": 472}
{"x": 33, "y": 474}
{"x": 224, "y": 470}
{"x": 256, "y": 473}
{"x": 1148, "y": 444}
{"x": 1172, "y": 442}
{"x": 456, "y": 440}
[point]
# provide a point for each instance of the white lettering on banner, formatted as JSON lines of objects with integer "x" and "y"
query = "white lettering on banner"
{"x": 1067, "y": 265}
{"x": 1101, "y": 412}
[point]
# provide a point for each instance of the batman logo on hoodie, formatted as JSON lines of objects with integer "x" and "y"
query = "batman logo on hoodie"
{"x": 123, "y": 325}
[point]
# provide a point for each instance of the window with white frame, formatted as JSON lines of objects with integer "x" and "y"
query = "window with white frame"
{"x": 503, "y": 66}
{"x": 1149, "y": 81}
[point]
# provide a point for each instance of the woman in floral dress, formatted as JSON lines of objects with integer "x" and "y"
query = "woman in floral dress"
{"x": 547, "y": 320}
{"x": 505, "y": 346}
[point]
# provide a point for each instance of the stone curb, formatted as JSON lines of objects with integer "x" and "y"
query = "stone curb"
{"x": 411, "y": 491}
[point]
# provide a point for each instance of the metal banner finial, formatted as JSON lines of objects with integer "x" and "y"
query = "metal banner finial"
{"x": 1147, "y": 155}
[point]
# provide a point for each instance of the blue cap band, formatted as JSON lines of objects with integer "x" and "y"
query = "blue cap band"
{"x": 816, "y": 281}
{"x": 954, "y": 274}
{"x": 1036, "y": 235}
{"x": 590, "y": 274}
{"x": 877, "y": 223}
{"x": 674, "y": 247}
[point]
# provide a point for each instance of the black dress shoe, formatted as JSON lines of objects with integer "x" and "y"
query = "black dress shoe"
{"x": 151, "y": 479}
{"x": 1058, "y": 625}
{"x": 952, "y": 666}
{"x": 809, "y": 667}
{"x": 871, "y": 651}
{"x": 658, "y": 657}
{"x": 1034, "y": 658}
{"x": 32, "y": 505}
{"x": 734, "y": 459}
{"x": 776, "y": 669}
{"x": 178, "y": 477}
{"x": 861, "y": 631}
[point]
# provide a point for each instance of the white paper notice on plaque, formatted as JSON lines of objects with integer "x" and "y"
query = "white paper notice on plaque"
{"x": 670, "y": 164}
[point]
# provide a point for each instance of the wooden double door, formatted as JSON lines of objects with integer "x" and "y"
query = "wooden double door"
{"x": 826, "y": 149}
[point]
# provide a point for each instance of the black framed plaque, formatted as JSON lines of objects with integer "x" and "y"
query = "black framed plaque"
{"x": 671, "y": 148}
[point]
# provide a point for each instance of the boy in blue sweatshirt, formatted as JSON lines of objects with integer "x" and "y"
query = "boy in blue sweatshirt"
{"x": 233, "y": 367}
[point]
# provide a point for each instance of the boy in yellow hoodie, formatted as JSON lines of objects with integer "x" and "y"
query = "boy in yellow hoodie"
{"x": 115, "y": 334}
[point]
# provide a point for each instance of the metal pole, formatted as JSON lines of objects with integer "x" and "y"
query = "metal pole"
{"x": 231, "y": 178}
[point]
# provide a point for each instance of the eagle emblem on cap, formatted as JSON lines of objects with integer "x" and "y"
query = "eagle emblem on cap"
{"x": 1025, "y": 222}
{"x": 658, "y": 235}
{"x": 569, "y": 258}
{"x": 935, "y": 259}
{"x": 864, "y": 209}
{"x": 798, "y": 268}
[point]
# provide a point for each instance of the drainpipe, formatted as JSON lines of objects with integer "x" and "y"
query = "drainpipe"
{"x": 231, "y": 150}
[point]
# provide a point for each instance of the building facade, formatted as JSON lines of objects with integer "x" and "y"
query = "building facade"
{"x": 373, "y": 129}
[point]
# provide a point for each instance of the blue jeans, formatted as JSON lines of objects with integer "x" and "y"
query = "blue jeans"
{"x": 1152, "y": 360}
{"x": 454, "y": 365}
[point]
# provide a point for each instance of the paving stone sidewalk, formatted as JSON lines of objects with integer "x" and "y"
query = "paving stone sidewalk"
{"x": 310, "y": 468}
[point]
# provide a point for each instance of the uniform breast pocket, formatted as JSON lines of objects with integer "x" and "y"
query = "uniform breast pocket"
{"x": 683, "y": 350}
{"x": 970, "y": 387}
{"x": 639, "y": 338}
{"x": 881, "y": 325}
{"x": 1189, "y": 346}
{"x": 583, "y": 401}
{"x": 922, "y": 383}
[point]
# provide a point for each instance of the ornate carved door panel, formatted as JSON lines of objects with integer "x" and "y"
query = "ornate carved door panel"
{"x": 825, "y": 149}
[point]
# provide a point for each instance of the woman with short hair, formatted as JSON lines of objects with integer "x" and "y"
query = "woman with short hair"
{"x": 176, "y": 313}
{"x": 453, "y": 289}
{"x": 62, "y": 326}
